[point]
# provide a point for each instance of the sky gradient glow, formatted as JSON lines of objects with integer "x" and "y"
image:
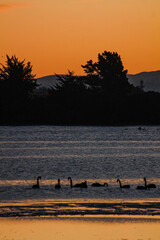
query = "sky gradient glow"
{"x": 57, "y": 35}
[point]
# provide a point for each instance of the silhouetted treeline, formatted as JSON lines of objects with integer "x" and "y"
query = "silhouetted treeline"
{"x": 102, "y": 97}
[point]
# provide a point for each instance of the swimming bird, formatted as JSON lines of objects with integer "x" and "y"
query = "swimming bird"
{"x": 80, "y": 185}
{"x": 37, "y": 185}
{"x": 151, "y": 185}
{"x": 96, "y": 184}
{"x": 140, "y": 187}
{"x": 58, "y": 186}
{"x": 122, "y": 186}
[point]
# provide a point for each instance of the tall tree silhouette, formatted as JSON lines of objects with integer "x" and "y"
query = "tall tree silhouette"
{"x": 69, "y": 83}
{"x": 110, "y": 72}
{"x": 69, "y": 87}
{"x": 68, "y": 96}
{"x": 17, "y": 79}
{"x": 17, "y": 85}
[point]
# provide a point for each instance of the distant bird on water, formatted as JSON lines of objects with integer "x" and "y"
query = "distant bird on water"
{"x": 37, "y": 185}
{"x": 58, "y": 186}
{"x": 122, "y": 186}
{"x": 151, "y": 185}
{"x": 96, "y": 184}
{"x": 78, "y": 185}
{"x": 140, "y": 187}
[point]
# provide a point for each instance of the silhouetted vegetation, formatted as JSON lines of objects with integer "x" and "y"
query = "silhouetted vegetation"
{"x": 111, "y": 76}
{"x": 102, "y": 97}
{"x": 17, "y": 85}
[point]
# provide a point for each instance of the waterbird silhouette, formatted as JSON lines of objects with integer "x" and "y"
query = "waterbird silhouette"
{"x": 58, "y": 186}
{"x": 96, "y": 184}
{"x": 122, "y": 186}
{"x": 140, "y": 187}
{"x": 80, "y": 185}
{"x": 151, "y": 185}
{"x": 37, "y": 185}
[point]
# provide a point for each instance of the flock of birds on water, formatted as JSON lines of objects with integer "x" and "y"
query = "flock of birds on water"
{"x": 96, "y": 184}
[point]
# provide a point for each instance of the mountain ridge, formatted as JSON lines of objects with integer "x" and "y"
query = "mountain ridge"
{"x": 151, "y": 80}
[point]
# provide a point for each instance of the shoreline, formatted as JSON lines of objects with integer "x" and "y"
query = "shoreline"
{"x": 88, "y": 218}
{"x": 81, "y": 209}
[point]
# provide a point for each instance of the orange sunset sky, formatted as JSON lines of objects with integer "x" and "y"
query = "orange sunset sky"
{"x": 57, "y": 35}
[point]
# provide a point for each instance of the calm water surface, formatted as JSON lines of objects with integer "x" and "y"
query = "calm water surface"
{"x": 101, "y": 154}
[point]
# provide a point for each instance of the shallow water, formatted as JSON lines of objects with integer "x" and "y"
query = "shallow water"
{"x": 101, "y": 154}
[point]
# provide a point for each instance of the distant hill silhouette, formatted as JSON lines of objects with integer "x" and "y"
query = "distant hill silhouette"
{"x": 151, "y": 80}
{"x": 47, "y": 81}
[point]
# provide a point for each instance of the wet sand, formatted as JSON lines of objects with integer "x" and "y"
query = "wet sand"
{"x": 80, "y": 229}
